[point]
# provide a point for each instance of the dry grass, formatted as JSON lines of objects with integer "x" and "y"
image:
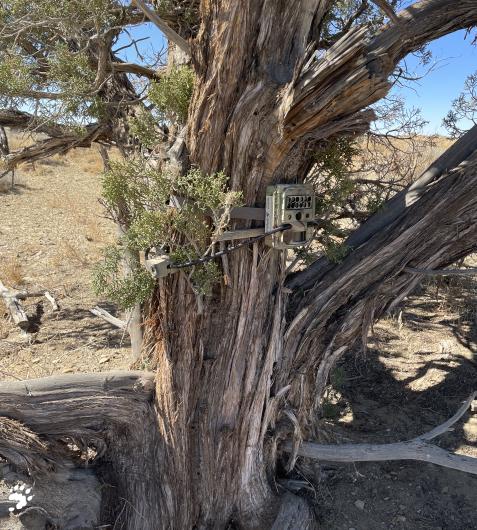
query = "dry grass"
{"x": 11, "y": 272}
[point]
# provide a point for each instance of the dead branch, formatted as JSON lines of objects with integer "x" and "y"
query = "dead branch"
{"x": 102, "y": 313}
{"x": 57, "y": 145}
{"x": 80, "y": 406}
{"x": 166, "y": 29}
{"x": 14, "y": 307}
{"x": 137, "y": 69}
{"x": 416, "y": 449}
{"x": 23, "y": 295}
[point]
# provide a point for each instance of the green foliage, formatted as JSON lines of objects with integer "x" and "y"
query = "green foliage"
{"x": 144, "y": 129}
{"x": 330, "y": 410}
{"x": 138, "y": 195}
{"x": 335, "y": 251}
{"x": 53, "y": 63}
{"x": 205, "y": 277}
{"x": 15, "y": 75}
{"x": 332, "y": 182}
{"x": 171, "y": 95}
{"x": 126, "y": 291}
{"x": 337, "y": 377}
{"x": 70, "y": 71}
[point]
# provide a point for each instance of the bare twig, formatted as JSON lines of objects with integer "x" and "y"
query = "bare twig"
{"x": 415, "y": 449}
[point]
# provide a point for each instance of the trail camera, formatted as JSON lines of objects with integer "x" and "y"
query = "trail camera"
{"x": 292, "y": 204}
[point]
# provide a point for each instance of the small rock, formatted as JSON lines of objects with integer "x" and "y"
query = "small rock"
{"x": 104, "y": 360}
{"x": 35, "y": 361}
{"x": 445, "y": 489}
{"x": 402, "y": 507}
{"x": 68, "y": 370}
{"x": 401, "y": 518}
{"x": 359, "y": 504}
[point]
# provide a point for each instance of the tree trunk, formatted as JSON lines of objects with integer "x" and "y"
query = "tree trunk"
{"x": 225, "y": 364}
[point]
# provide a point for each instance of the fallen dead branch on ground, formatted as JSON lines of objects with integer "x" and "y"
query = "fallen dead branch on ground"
{"x": 416, "y": 449}
{"x": 105, "y": 315}
{"x": 12, "y": 298}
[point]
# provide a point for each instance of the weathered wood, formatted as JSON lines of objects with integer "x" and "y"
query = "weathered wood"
{"x": 442, "y": 272}
{"x": 103, "y": 411}
{"x": 14, "y": 307}
{"x": 416, "y": 449}
{"x": 165, "y": 28}
{"x": 105, "y": 315}
{"x": 264, "y": 98}
{"x": 4, "y": 152}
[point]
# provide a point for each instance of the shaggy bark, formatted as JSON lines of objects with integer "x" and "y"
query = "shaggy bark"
{"x": 46, "y": 428}
{"x": 242, "y": 370}
{"x": 261, "y": 103}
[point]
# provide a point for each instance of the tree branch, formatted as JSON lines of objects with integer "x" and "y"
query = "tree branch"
{"x": 415, "y": 449}
{"x": 354, "y": 72}
{"x": 18, "y": 119}
{"x": 167, "y": 30}
{"x": 58, "y": 145}
{"x": 108, "y": 317}
{"x": 387, "y": 10}
{"x": 137, "y": 69}
{"x": 78, "y": 405}
{"x": 386, "y": 216}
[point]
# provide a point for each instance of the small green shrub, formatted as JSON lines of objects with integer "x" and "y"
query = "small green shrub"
{"x": 139, "y": 196}
{"x": 172, "y": 94}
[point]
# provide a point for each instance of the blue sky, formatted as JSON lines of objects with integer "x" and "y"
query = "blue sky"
{"x": 453, "y": 56}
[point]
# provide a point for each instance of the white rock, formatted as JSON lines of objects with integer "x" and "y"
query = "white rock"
{"x": 359, "y": 504}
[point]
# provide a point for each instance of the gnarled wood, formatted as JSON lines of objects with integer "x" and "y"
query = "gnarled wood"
{"x": 109, "y": 412}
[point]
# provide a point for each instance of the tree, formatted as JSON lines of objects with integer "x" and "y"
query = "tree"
{"x": 240, "y": 363}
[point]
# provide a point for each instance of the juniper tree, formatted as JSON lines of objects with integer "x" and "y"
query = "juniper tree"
{"x": 253, "y": 93}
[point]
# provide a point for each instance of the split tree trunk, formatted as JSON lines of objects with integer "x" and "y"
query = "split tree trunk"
{"x": 261, "y": 105}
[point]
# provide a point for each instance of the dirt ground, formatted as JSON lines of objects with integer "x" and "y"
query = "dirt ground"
{"x": 419, "y": 366}
{"x": 51, "y": 234}
{"x": 418, "y": 369}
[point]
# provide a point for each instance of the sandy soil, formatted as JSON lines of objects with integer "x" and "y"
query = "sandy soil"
{"x": 51, "y": 233}
{"x": 419, "y": 366}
